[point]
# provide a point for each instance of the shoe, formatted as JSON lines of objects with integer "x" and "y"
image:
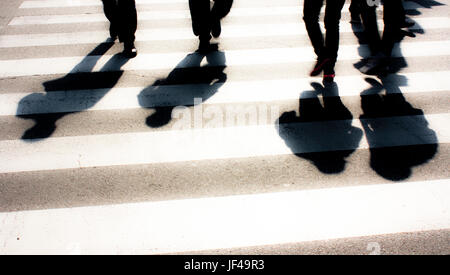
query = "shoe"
{"x": 204, "y": 47}
{"x": 216, "y": 29}
{"x": 375, "y": 65}
{"x": 129, "y": 50}
{"x": 318, "y": 68}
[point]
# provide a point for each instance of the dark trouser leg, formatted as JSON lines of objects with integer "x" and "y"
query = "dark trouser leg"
{"x": 355, "y": 10}
{"x": 401, "y": 12}
{"x": 111, "y": 12}
{"x": 110, "y": 9}
{"x": 200, "y": 16}
{"x": 332, "y": 17}
{"x": 354, "y": 7}
{"x": 311, "y": 11}
{"x": 392, "y": 24}
{"x": 128, "y": 20}
{"x": 221, "y": 8}
{"x": 369, "y": 19}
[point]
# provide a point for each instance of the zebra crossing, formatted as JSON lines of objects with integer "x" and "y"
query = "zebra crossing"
{"x": 177, "y": 152}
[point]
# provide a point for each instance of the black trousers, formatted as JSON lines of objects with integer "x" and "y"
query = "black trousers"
{"x": 123, "y": 17}
{"x": 393, "y": 17}
{"x": 203, "y": 15}
{"x": 354, "y": 8}
{"x": 328, "y": 47}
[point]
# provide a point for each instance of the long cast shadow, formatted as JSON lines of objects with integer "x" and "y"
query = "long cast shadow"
{"x": 188, "y": 81}
{"x": 384, "y": 121}
{"x": 324, "y": 134}
{"x": 397, "y": 133}
{"x": 71, "y": 93}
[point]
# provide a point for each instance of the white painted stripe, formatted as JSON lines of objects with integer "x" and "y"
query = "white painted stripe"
{"x": 159, "y": 15}
{"x": 144, "y": 15}
{"x": 230, "y": 222}
{"x": 83, "y": 3}
{"x": 229, "y": 92}
{"x": 62, "y": 65}
{"x": 212, "y": 143}
{"x": 231, "y": 31}
{"x": 293, "y": 5}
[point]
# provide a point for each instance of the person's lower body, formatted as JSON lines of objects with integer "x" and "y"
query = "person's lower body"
{"x": 381, "y": 48}
{"x": 111, "y": 13}
{"x": 220, "y": 9}
{"x": 355, "y": 12}
{"x": 122, "y": 15}
{"x": 206, "y": 20}
{"x": 326, "y": 48}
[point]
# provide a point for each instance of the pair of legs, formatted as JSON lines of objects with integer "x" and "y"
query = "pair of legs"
{"x": 206, "y": 20}
{"x": 381, "y": 47}
{"x": 326, "y": 48}
{"x": 122, "y": 16}
{"x": 355, "y": 12}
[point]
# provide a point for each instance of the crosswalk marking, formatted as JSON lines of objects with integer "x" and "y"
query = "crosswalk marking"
{"x": 230, "y": 92}
{"x": 211, "y": 143}
{"x": 227, "y": 222}
{"x": 61, "y": 65}
{"x": 232, "y": 31}
{"x": 78, "y": 3}
{"x": 166, "y": 15}
{"x": 293, "y": 5}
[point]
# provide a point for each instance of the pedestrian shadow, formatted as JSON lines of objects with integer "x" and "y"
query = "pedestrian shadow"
{"x": 397, "y": 133}
{"x": 409, "y": 28}
{"x": 190, "y": 83}
{"x": 322, "y": 134}
{"x": 426, "y": 4}
{"x": 77, "y": 91}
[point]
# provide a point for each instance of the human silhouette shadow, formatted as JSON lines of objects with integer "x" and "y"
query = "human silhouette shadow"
{"x": 426, "y": 4}
{"x": 188, "y": 81}
{"x": 71, "y": 93}
{"x": 324, "y": 134}
{"x": 389, "y": 156}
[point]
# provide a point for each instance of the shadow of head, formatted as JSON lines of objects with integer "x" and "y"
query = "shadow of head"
{"x": 323, "y": 132}
{"x": 190, "y": 83}
{"x": 398, "y": 134}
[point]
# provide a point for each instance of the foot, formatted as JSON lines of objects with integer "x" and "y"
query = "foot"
{"x": 205, "y": 47}
{"x": 129, "y": 50}
{"x": 320, "y": 64}
{"x": 374, "y": 65}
